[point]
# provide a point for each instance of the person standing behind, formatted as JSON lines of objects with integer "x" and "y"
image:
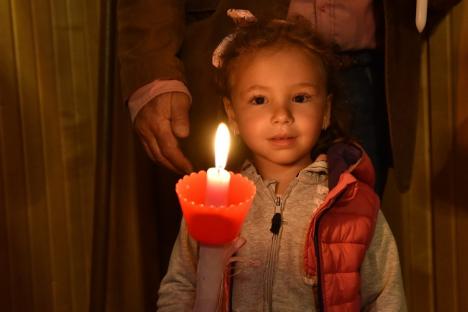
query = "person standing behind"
{"x": 164, "y": 49}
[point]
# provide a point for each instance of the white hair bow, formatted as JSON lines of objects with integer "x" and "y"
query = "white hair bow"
{"x": 240, "y": 17}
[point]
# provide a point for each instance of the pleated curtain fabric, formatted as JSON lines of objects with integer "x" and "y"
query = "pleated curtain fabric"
{"x": 430, "y": 220}
{"x": 77, "y": 204}
{"x": 48, "y": 70}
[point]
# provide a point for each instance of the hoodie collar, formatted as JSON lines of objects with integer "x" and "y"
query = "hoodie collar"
{"x": 341, "y": 157}
{"x": 317, "y": 168}
{"x": 349, "y": 157}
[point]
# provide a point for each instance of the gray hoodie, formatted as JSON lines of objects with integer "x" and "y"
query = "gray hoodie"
{"x": 270, "y": 275}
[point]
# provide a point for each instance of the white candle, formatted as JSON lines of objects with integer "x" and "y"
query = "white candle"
{"x": 217, "y": 179}
{"x": 421, "y": 14}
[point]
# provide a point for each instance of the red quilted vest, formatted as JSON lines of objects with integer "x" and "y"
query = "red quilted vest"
{"x": 341, "y": 231}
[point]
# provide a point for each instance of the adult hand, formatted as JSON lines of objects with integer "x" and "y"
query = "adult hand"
{"x": 159, "y": 123}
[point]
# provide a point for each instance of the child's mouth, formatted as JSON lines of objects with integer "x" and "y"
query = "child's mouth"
{"x": 282, "y": 141}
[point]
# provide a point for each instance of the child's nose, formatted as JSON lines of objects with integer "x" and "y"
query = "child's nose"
{"x": 282, "y": 115}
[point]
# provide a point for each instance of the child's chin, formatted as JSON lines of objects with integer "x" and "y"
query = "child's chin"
{"x": 291, "y": 160}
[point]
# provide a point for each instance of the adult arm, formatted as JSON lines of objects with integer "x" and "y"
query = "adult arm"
{"x": 150, "y": 34}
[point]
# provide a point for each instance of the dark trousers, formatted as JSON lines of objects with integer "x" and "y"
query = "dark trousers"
{"x": 362, "y": 88}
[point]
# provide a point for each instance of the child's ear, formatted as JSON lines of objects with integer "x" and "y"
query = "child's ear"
{"x": 327, "y": 112}
{"x": 231, "y": 115}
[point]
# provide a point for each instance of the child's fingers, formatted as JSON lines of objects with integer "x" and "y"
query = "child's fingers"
{"x": 239, "y": 242}
{"x": 218, "y": 256}
{"x": 234, "y": 246}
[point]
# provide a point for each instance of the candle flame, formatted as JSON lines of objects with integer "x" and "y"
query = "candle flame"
{"x": 222, "y": 143}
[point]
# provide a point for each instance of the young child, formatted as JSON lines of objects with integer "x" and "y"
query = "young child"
{"x": 315, "y": 239}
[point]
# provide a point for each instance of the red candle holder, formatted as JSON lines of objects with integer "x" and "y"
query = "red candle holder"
{"x": 214, "y": 225}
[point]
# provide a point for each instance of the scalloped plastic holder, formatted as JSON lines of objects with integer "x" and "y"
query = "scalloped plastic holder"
{"x": 214, "y": 225}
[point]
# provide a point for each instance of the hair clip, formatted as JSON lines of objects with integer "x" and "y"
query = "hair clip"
{"x": 240, "y": 18}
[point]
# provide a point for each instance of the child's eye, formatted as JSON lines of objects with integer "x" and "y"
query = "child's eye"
{"x": 258, "y": 100}
{"x": 301, "y": 98}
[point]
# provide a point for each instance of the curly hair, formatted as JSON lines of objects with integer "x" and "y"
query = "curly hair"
{"x": 295, "y": 32}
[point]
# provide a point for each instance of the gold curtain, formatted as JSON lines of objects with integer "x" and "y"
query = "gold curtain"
{"x": 84, "y": 222}
{"x": 78, "y": 199}
{"x": 48, "y": 72}
{"x": 430, "y": 221}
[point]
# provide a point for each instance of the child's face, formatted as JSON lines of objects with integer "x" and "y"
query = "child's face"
{"x": 279, "y": 104}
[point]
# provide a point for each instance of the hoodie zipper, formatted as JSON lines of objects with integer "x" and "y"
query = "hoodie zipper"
{"x": 277, "y": 219}
{"x": 272, "y": 259}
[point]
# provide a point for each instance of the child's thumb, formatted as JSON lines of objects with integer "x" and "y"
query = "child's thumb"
{"x": 233, "y": 247}
{"x": 238, "y": 243}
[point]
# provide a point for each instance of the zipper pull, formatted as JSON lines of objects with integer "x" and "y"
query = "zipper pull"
{"x": 277, "y": 218}
{"x": 276, "y": 223}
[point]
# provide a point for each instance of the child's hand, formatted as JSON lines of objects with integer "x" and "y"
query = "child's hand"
{"x": 212, "y": 262}
{"x": 217, "y": 256}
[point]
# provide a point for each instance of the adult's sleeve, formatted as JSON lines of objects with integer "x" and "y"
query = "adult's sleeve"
{"x": 177, "y": 289}
{"x": 381, "y": 281}
{"x": 150, "y": 34}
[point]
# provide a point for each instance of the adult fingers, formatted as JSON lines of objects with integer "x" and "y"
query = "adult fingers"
{"x": 164, "y": 132}
{"x": 154, "y": 153}
{"x": 168, "y": 146}
{"x": 154, "y": 128}
{"x": 148, "y": 151}
{"x": 152, "y": 149}
{"x": 150, "y": 145}
{"x": 180, "y": 106}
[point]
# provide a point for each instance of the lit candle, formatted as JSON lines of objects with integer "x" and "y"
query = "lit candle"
{"x": 217, "y": 179}
{"x": 421, "y": 14}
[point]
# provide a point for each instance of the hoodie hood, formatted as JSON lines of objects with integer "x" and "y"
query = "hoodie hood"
{"x": 349, "y": 157}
